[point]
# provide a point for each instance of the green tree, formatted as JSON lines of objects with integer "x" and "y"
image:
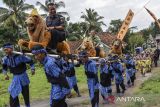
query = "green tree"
{"x": 7, "y": 34}
{"x": 135, "y": 40}
{"x": 129, "y": 33}
{"x": 93, "y": 20}
{"x": 14, "y": 12}
{"x": 146, "y": 32}
{"x": 114, "y": 26}
{"x": 154, "y": 29}
{"x": 76, "y": 30}
{"x": 58, "y": 5}
{"x": 12, "y": 19}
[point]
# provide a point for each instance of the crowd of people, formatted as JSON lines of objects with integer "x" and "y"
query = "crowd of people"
{"x": 61, "y": 72}
{"x": 146, "y": 60}
{"x": 62, "y": 75}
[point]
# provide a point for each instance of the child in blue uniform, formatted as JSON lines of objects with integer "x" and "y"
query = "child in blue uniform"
{"x": 20, "y": 82}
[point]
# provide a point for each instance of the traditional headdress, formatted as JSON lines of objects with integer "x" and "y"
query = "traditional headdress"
{"x": 8, "y": 45}
{"x": 83, "y": 54}
{"x": 38, "y": 49}
{"x": 34, "y": 12}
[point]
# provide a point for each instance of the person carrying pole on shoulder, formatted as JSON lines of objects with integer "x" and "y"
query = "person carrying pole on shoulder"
{"x": 91, "y": 72}
{"x": 59, "y": 84}
{"x": 20, "y": 82}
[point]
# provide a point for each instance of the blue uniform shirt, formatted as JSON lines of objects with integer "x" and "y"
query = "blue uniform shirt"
{"x": 106, "y": 69}
{"x": 106, "y": 75}
{"x": 90, "y": 66}
{"x": 130, "y": 64}
{"x": 118, "y": 72}
{"x": 93, "y": 83}
{"x": 52, "y": 69}
{"x": 68, "y": 68}
{"x": 15, "y": 60}
{"x": 17, "y": 66}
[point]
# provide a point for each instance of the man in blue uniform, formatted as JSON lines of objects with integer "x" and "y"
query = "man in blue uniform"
{"x": 130, "y": 70}
{"x": 118, "y": 74}
{"x": 106, "y": 76}
{"x": 59, "y": 84}
{"x": 69, "y": 71}
{"x": 55, "y": 24}
{"x": 91, "y": 72}
{"x": 20, "y": 82}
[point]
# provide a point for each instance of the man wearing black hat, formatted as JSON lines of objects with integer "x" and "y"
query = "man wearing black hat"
{"x": 20, "y": 82}
{"x": 91, "y": 72}
{"x": 55, "y": 24}
{"x": 59, "y": 84}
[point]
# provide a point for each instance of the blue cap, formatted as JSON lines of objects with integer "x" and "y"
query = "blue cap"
{"x": 83, "y": 54}
{"x": 113, "y": 57}
{"x": 8, "y": 45}
{"x": 38, "y": 49}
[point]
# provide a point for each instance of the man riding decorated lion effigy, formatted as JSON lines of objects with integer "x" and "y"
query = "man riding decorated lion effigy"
{"x": 55, "y": 25}
{"x": 39, "y": 34}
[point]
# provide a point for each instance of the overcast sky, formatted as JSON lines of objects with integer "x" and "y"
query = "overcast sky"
{"x": 111, "y": 9}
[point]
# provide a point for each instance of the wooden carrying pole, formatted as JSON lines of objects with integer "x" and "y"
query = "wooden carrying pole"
{"x": 51, "y": 55}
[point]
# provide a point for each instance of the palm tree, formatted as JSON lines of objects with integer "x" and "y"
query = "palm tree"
{"x": 14, "y": 12}
{"x": 58, "y": 5}
{"x": 6, "y": 36}
{"x": 76, "y": 30}
{"x": 93, "y": 20}
{"x": 115, "y": 26}
{"x": 12, "y": 17}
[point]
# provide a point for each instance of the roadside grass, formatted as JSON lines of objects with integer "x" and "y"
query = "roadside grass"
{"x": 39, "y": 87}
{"x": 149, "y": 90}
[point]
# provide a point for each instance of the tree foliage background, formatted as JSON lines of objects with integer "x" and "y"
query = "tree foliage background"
{"x": 12, "y": 26}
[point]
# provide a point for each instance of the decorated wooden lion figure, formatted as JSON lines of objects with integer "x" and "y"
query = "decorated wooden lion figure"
{"x": 36, "y": 28}
{"x": 87, "y": 45}
{"x": 102, "y": 53}
{"x": 116, "y": 47}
